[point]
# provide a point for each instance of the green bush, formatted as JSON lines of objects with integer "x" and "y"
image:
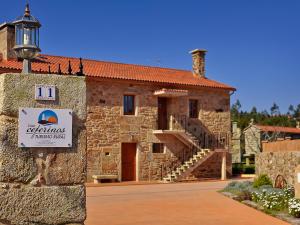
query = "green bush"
{"x": 249, "y": 169}
{"x": 237, "y": 168}
{"x": 262, "y": 180}
{"x": 242, "y": 190}
{"x": 271, "y": 199}
{"x": 240, "y": 168}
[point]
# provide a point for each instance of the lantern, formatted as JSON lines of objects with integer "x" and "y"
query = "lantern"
{"x": 27, "y": 38}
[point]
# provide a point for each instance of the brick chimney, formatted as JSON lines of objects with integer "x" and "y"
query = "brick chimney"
{"x": 198, "y": 57}
{"x": 7, "y": 41}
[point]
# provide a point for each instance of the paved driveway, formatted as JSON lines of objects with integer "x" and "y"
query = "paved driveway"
{"x": 169, "y": 204}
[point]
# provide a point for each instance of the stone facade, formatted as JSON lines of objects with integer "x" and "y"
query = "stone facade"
{"x": 108, "y": 128}
{"x": 211, "y": 168}
{"x": 252, "y": 141}
{"x": 236, "y": 144}
{"x": 278, "y": 163}
{"x": 198, "y": 57}
{"x": 41, "y": 186}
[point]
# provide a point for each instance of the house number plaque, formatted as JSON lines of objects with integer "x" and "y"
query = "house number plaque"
{"x": 45, "y": 92}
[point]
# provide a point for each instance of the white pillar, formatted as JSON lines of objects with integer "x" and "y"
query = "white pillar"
{"x": 223, "y": 169}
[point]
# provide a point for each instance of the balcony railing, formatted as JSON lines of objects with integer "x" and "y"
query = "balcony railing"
{"x": 207, "y": 139}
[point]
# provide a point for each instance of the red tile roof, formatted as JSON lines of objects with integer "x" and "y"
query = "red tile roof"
{"x": 101, "y": 69}
{"x": 279, "y": 129}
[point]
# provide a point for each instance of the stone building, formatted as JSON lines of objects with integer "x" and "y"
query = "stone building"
{"x": 256, "y": 134}
{"x": 144, "y": 123}
{"x": 236, "y": 143}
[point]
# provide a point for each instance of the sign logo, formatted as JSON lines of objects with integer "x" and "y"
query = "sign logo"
{"x": 47, "y": 117}
{"x": 45, "y": 127}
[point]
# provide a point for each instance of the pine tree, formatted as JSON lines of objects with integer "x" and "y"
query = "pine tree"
{"x": 275, "y": 110}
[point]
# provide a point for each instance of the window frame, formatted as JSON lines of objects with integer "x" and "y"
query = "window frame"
{"x": 127, "y": 113}
{"x": 194, "y": 113}
{"x": 162, "y": 148}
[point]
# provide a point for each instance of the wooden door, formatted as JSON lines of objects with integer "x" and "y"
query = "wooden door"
{"x": 162, "y": 114}
{"x": 128, "y": 161}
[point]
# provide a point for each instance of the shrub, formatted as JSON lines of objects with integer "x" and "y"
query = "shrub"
{"x": 239, "y": 168}
{"x": 289, "y": 192}
{"x": 242, "y": 190}
{"x": 273, "y": 198}
{"x": 294, "y": 207}
{"x": 244, "y": 195}
{"x": 249, "y": 169}
{"x": 238, "y": 186}
{"x": 262, "y": 180}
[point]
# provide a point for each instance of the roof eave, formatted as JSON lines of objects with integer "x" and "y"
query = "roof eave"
{"x": 6, "y": 24}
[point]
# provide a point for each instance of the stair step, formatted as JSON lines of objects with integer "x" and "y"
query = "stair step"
{"x": 180, "y": 169}
{"x": 193, "y": 160}
{"x": 200, "y": 153}
{"x": 197, "y": 157}
{"x": 188, "y": 163}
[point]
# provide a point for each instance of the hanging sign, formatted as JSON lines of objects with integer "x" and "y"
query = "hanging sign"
{"x": 45, "y": 127}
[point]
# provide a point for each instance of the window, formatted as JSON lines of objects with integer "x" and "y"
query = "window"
{"x": 128, "y": 104}
{"x": 158, "y": 148}
{"x": 193, "y": 108}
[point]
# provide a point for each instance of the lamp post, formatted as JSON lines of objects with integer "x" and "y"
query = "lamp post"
{"x": 27, "y": 39}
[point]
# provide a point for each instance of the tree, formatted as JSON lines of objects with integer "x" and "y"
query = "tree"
{"x": 275, "y": 109}
{"x": 291, "y": 110}
{"x": 235, "y": 110}
{"x": 253, "y": 110}
{"x": 296, "y": 114}
{"x": 237, "y": 105}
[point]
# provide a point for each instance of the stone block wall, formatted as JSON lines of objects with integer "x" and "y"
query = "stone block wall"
{"x": 107, "y": 128}
{"x": 236, "y": 144}
{"x": 252, "y": 140}
{"x": 211, "y": 168}
{"x": 41, "y": 186}
{"x": 278, "y": 163}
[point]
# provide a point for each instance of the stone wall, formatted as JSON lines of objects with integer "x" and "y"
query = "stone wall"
{"x": 41, "y": 186}
{"x": 278, "y": 163}
{"x": 211, "y": 168}
{"x": 236, "y": 144}
{"x": 252, "y": 140}
{"x": 107, "y": 128}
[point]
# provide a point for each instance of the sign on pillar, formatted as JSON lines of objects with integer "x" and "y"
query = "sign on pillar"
{"x": 45, "y": 127}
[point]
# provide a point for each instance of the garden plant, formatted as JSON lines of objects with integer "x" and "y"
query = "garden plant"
{"x": 261, "y": 192}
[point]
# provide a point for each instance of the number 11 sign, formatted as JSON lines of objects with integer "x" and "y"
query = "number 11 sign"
{"x": 45, "y": 92}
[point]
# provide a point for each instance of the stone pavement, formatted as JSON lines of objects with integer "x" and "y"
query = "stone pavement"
{"x": 169, "y": 204}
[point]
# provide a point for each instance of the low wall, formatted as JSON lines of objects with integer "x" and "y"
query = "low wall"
{"x": 277, "y": 163}
{"x": 281, "y": 146}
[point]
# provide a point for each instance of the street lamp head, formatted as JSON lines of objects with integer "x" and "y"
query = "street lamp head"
{"x": 27, "y": 38}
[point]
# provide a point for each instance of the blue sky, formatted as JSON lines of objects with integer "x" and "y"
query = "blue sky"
{"x": 253, "y": 45}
